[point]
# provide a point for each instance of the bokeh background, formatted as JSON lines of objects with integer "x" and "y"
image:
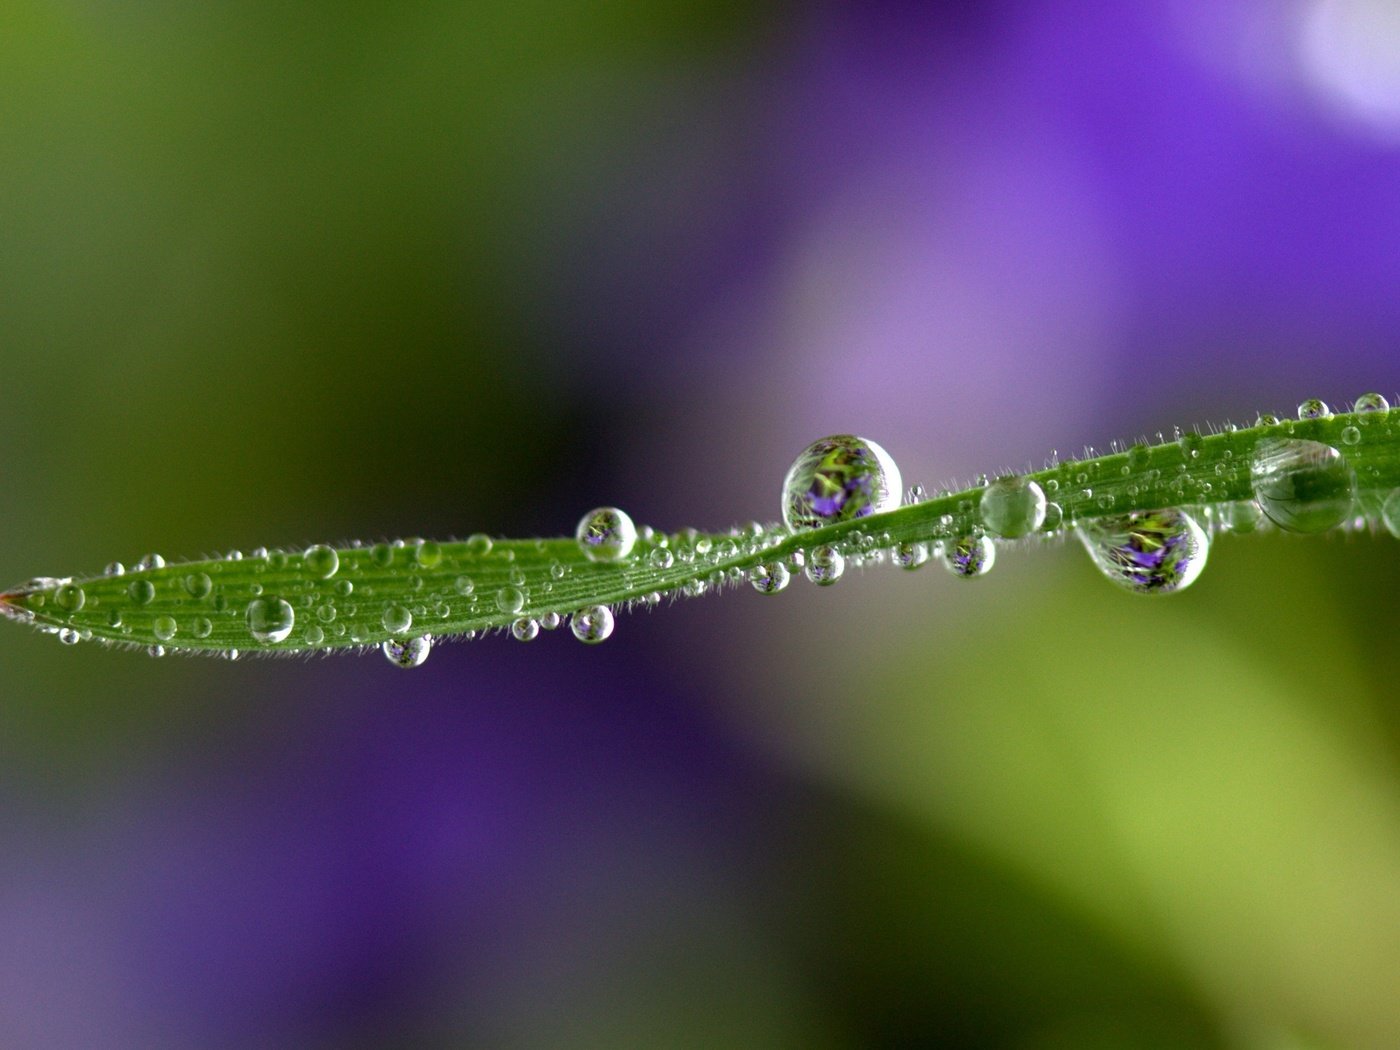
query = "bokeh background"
{"x": 279, "y": 273}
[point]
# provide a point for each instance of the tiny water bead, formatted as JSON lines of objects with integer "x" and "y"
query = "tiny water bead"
{"x": 322, "y": 562}
{"x": 593, "y": 624}
{"x": 970, "y": 556}
{"x": 68, "y": 636}
{"x": 396, "y": 619}
{"x": 428, "y": 554}
{"x": 1242, "y": 516}
{"x": 198, "y": 584}
{"x": 1372, "y": 403}
{"x": 70, "y": 598}
{"x": 606, "y": 534}
{"x": 770, "y": 578}
{"x": 525, "y": 629}
{"x": 825, "y": 566}
{"x": 479, "y": 544}
{"x": 1013, "y": 506}
{"x": 1351, "y": 436}
{"x": 141, "y": 592}
{"x": 407, "y": 652}
{"x": 839, "y": 478}
{"x": 1148, "y": 552}
{"x": 270, "y": 620}
{"x": 510, "y": 600}
{"x": 911, "y": 555}
{"x": 1313, "y": 408}
{"x": 164, "y": 628}
{"x": 1303, "y": 486}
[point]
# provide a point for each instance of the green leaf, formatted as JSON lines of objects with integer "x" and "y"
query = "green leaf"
{"x": 358, "y": 595}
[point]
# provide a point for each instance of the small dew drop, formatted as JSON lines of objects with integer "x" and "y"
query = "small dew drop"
{"x": 142, "y": 592}
{"x": 68, "y": 636}
{"x": 198, "y": 585}
{"x": 550, "y": 620}
{"x": 479, "y": 544}
{"x": 970, "y": 556}
{"x": 1313, "y": 408}
{"x": 156, "y": 651}
{"x": 510, "y": 600}
{"x": 1351, "y": 436}
{"x": 115, "y": 569}
{"x": 382, "y": 554}
{"x": 661, "y": 558}
{"x": 150, "y": 561}
{"x": 1390, "y": 513}
{"x": 1013, "y": 506}
{"x": 911, "y": 555}
{"x": 428, "y": 554}
{"x": 314, "y": 635}
{"x": 593, "y": 624}
{"x": 463, "y": 585}
{"x": 70, "y": 598}
{"x": 839, "y": 478}
{"x": 525, "y": 629}
{"x": 164, "y": 628}
{"x": 322, "y": 562}
{"x": 202, "y": 627}
{"x": 606, "y": 534}
{"x": 1242, "y": 516}
{"x": 825, "y": 566}
{"x": 397, "y": 619}
{"x": 270, "y": 620}
{"x": 1372, "y": 403}
{"x": 770, "y": 578}
{"x": 407, "y": 652}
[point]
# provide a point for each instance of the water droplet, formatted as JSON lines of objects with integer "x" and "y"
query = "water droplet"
{"x": 606, "y": 534}
{"x": 525, "y": 629}
{"x": 593, "y": 624}
{"x": 839, "y": 478}
{"x": 1312, "y": 408}
{"x": 510, "y": 599}
{"x": 68, "y": 636}
{"x": 1390, "y": 513}
{"x": 114, "y": 618}
{"x": 396, "y": 619}
{"x": 202, "y": 627}
{"x": 661, "y": 558}
{"x": 1148, "y": 552}
{"x": 322, "y": 561}
{"x": 1372, "y": 403}
{"x": 914, "y": 494}
{"x": 150, "y": 561}
{"x": 115, "y": 569}
{"x": 270, "y": 620}
{"x": 198, "y": 585}
{"x": 479, "y": 544}
{"x": 1351, "y": 436}
{"x": 164, "y": 628}
{"x": 1191, "y": 444}
{"x": 557, "y": 570}
{"x": 970, "y": 556}
{"x": 156, "y": 651}
{"x": 1013, "y": 506}
{"x": 1303, "y": 486}
{"x": 141, "y": 591}
{"x": 1054, "y": 516}
{"x": 1266, "y": 419}
{"x": 825, "y": 566}
{"x": 550, "y": 620}
{"x": 407, "y": 652}
{"x": 344, "y": 588}
{"x": 516, "y": 575}
{"x": 314, "y": 635}
{"x": 910, "y": 555}
{"x": 770, "y": 578}
{"x": 70, "y": 598}
{"x": 382, "y": 555}
{"x": 464, "y": 585}
{"x": 694, "y": 588}
{"x": 428, "y": 554}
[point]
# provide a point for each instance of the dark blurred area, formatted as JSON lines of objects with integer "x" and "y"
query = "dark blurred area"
{"x": 273, "y": 274}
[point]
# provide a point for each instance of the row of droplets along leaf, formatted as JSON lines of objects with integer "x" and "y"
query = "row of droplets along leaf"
{"x": 841, "y": 507}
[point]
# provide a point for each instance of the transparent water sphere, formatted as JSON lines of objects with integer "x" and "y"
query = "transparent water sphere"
{"x": 322, "y": 561}
{"x": 1148, "y": 552}
{"x": 525, "y": 629}
{"x": 593, "y": 624}
{"x": 970, "y": 556}
{"x": 397, "y": 619}
{"x": 837, "y": 479}
{"x": 407, "y": 652}
{"x": 270, "y": 620}
{"x": 825, "y": 566}
{"x": 1013, "y": 506}
{"x": 1372, "y": 403}
{"x": 1390, "y": 513}
{"x": 1303, "y": 486}
{"x": 769, "y": 578}
{"x": 606, "y": 534}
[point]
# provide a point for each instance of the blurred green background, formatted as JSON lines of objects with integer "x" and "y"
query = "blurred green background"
{"x": 272, "y": 275}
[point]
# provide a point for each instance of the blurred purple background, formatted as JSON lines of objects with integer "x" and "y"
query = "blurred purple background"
{"x": 273, "y": 276}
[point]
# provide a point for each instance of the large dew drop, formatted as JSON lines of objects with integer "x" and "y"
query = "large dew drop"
{"x": 606, "y": 534}
{"x": 1148, "y": 552}
{"x": 1303, "y": 486}
{"x": 837, "y": 479}
{"x": 407, "y": 652}
{"x": 270, "y": 620}
{"x": 1013, "y": 506}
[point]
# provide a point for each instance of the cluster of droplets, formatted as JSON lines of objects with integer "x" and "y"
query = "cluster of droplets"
{"x": 1289, "y": 478}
